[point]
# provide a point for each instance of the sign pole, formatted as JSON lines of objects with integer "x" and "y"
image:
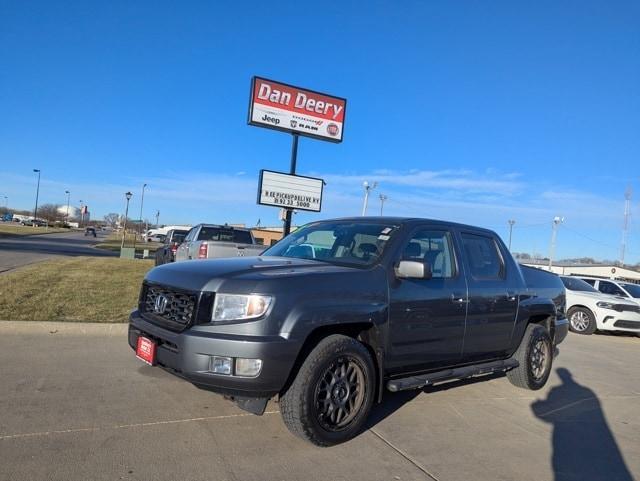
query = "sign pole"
{"x": 294, "y": 159}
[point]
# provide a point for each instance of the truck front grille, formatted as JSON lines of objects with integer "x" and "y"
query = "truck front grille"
{"x": 176, "y": 307}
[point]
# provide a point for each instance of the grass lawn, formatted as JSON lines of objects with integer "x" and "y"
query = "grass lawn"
{"x": 11, "y": 230}
{"x": 85, "y": 289}
{"x": 114, "y": 241}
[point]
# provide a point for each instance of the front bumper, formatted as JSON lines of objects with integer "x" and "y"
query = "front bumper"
{"x": 625, "y": 321}
{"x": 188, "y": 355}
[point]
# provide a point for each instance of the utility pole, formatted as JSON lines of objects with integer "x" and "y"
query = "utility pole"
{"x": 286, "y": 228}
{"x": 81, "y": 212}
{"x": 382, "y": 199}
{"x": 511, "y": 222}
{"x": 35, "y": 211}
{"x": 367, "y": 188}
{"x": 128, "y": 195}
{"x": 157, "y": 217}
{"x": 66, "y": 220}
{"x": 625, "y": 229}
{"x": 144, "y": 186}
{"x": 554, "y": 232}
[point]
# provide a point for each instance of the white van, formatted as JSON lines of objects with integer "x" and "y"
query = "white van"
{"x": 153, "y": 234}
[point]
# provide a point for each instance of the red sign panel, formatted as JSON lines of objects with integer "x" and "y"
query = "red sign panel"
{"x": 146, "y": 350}
{"x": 296, "y": 110}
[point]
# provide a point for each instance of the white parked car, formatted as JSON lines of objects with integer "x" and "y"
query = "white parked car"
{"x": 626, "y": 290}
{"x": 589, "y": 309}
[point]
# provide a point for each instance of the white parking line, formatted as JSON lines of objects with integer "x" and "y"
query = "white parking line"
{"x": 125, "y": 426}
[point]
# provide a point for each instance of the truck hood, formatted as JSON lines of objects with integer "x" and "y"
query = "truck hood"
{"x": 197, "y": 275}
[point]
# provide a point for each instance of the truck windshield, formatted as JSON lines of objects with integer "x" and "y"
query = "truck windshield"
{"x": 574, "y": 284}
{"x": 225, "y": 234}
{"x": 351, "y": 243}
{"x": 632, "y": 289}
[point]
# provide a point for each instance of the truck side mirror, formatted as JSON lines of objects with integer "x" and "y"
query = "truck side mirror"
{"x": 413, "y": 270}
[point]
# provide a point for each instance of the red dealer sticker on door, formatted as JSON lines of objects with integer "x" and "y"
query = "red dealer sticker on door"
{"x": 296, "y": 110}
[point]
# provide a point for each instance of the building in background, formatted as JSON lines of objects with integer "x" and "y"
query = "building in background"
{"x": 591, "y": 270}
{"x": 74, "y": 212}
{"x": 268, "y": 235}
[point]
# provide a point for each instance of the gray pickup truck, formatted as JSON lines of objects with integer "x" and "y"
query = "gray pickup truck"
{"x": 340, "y": 311}
{"x": 211, "y": 241}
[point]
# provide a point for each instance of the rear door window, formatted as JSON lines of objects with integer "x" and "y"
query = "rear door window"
{"x": 483, "y": 257}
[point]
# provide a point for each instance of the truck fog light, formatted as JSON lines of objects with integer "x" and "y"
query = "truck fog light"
{"x": 248, "y": 367}
{"x": 221, "y": 365}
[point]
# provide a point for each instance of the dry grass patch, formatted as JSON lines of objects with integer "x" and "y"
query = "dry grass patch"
{"x": 114, "y": 241}
{"x": 11, "y": 230}
{"x": 85, "y": 289}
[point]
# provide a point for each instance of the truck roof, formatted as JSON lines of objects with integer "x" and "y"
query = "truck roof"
{"x": 222, "y": 226}
{"x": 407, "y": 221}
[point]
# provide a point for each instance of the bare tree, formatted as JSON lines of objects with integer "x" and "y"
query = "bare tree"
{"x": 49, "y": 212}
{"x": 112, "y": 219}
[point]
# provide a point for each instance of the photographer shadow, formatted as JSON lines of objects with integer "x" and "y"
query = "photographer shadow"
{"x": 584, "y": 448}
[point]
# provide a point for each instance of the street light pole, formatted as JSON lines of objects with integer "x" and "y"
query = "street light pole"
{"x": 81, "y": 213}
{"x": 128, "y": 195}
{"x": 557, "y": 220}
{"x": 382, "y": 199}
{"x": 511, "y": 222}
{"x": 144, "y": 186}
{"x": 367, "y": 188}
{"x": 157, "y": 218}
{"x": 35, "y": 211}
{"x": 68, "y": 196}
{"x": 6, "y": 204}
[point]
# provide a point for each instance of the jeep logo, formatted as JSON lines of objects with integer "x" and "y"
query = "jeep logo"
{"x": 271, "y": 120}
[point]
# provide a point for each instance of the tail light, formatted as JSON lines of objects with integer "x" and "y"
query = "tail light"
{"x": 202, "y": 252}
{"x": 174, "y": 248}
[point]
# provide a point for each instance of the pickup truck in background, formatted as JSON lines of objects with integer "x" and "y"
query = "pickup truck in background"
{"x": 210, "y": 241}
{"x": 167, "y": 253}
{"x": 340, "y": 311}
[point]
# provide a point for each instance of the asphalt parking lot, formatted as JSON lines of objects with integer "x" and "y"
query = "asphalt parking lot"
{"x": 20, "y": 251}
{"x": 77, "y": 405}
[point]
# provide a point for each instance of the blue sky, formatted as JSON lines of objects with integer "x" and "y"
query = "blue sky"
{"x": 476, "y": 112}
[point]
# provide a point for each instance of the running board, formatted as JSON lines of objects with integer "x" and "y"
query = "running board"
{"x": 416, "y": 382}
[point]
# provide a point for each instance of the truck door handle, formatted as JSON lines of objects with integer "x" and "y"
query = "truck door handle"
{"x": 458, "y": 299}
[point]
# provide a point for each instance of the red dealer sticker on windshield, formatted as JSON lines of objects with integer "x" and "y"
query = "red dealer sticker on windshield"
{"x": 296, "y": 110}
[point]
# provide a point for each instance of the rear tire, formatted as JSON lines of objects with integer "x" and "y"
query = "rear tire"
{"x": 535, "y": 355}
{"x": 330, "y": 398}
{"x": 581, "y": 320}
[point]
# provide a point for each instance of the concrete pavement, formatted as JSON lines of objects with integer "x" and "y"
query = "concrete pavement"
{"x": 19, "y": 251}
{"x": 77, "y": 405}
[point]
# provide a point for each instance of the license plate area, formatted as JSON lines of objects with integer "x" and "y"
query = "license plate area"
{"x": 146, "y": 350}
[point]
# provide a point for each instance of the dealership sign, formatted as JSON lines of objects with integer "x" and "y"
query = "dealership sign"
{"x": 290, "y": 191}
{"x": 296, "y": 110}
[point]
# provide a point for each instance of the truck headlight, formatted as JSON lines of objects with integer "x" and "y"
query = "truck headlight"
{"x": 234, "y": 307}
{"x": 606, "y": 305}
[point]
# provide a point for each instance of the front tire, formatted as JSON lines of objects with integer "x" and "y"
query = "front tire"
{"x": 581, "y": 320}
{"x": 535, "y": 355}
{"x": 330, "y": 398}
